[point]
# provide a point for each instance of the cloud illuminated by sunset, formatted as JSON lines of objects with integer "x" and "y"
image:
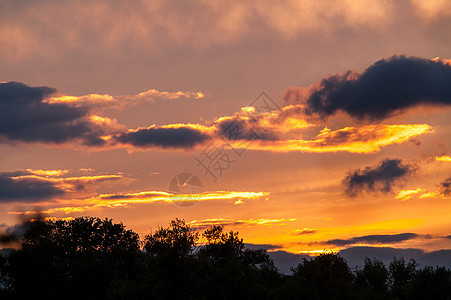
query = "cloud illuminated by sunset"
{"x": 148, "y": 197}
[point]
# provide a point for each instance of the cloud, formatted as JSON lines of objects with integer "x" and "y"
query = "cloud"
{"x": 373, "y": 239}
{"x": 406, "y": 194}
{"x": 184, "y": 136}
{"x": 245, "y": 128}
{"x": 384, "y": 88}
{"x": 14, "y": 188}
{"x": 38, "y": 185}
{"x": 432, "y": 10}
{"x": 12, "y": 234}
{"x": 304, "y": 231}
{"x": 101, "y": 102}
{"x": 445, "y": 186}
{"x": 32, "y": 29}
{"x": 282, "y": 132}
{"x": 31, "y": 115}
{"x": 284, "y": 260}
{"x": 262, "y": 246}
{"x": 145, "y": 197}
{"x": 377, "y": 178}
{"x": 444, "y": 158}
{"x": 355, "y": 255}
{"x": 204, "y": 224}
{"x": 26, "y": 117}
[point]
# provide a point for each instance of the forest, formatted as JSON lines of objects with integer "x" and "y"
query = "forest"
{"x": 93, "y": 258}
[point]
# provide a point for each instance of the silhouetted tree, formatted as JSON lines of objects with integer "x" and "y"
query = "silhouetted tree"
{"x": 327, "y": 276}
{"x": 430, "y": 283}
{"x": 90, "y": 258}
{"x": 170, "y": 265}
{"x": 230, "y": 271}
{"x": 400, "y": 275}
{"x": 372, "y": 281}
{"x": 84, "y": 257}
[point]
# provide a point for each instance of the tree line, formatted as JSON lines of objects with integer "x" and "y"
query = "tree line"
{"x": 92, "y": 258}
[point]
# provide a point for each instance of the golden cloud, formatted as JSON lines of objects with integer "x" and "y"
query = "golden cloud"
{"x": 406, "y": 194}
{"x": 123, "y": 200}
{"x": 202, "y": 224}
{"x": 365, "y": 139}
{"x": 443, "y": 158}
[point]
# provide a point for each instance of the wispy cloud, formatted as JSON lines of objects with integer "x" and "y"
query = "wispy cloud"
{"x": 34, "y": 28}
{"x": 406, "y": 194}
{"x": 146, "y": 197}
{"x": 203, "y": 224}
{"x": 106, "y": 101}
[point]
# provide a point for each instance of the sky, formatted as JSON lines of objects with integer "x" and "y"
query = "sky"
{"x": 304, "y": 125}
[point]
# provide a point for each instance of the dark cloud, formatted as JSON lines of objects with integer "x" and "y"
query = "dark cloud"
{"x": 355, "y": 256}
{"x": 445, "y": 186}
{"x": 26, "y": 188}
{"x": 374, "y": 239}
{"x": 12, "y": 234}
{"x": 25, "y": 117}
{"x": 239, "y": 128}
{"x": 262, "y": 246}
{"x": 377, "y": 178}
{"x": 303, "y": 232}
{"x": 173, "y": 137}
{"x": 130, "y": 196}
{"x": 284, "y": 261}
{"x": 388, "y": 86}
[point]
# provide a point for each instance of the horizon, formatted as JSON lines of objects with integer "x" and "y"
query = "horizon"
{"x": 305, "y": 127}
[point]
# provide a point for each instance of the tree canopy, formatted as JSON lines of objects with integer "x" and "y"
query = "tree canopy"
{"x": 92, "y": 258}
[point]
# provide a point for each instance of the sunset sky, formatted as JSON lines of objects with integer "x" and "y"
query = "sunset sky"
{"x": 304, "y": 125}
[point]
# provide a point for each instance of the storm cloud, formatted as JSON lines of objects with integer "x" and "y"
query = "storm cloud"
{"x": 377, "y": 178}
{"x": 388, "y": 86}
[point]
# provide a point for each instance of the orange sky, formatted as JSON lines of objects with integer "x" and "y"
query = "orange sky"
{"x": 153, "y": 86}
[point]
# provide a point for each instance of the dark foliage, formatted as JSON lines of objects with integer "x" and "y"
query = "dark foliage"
{"x": 90, "y": 258}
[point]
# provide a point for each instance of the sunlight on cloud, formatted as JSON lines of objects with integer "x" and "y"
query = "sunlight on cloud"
{"x": 48, "y": 172}
{"x": 202, "y": 224}
{"x": 406, "y": 194}
{"x": 121, "y": 101}
{"x": 443, "y": 158}
{"x": 429, "y": 195}
{"x": 432, "y": 9}
{"x": 365, "y": 139}
{"x": 124, "y": 200}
